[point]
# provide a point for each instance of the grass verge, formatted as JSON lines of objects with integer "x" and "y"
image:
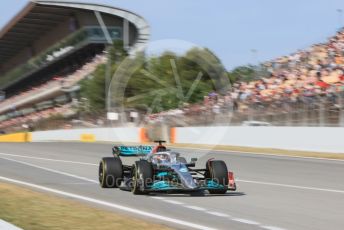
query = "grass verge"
{"x": 33, "y": 210}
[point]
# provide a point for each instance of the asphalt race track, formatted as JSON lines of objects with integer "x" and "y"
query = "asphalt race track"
{"x": 273, "y": 192}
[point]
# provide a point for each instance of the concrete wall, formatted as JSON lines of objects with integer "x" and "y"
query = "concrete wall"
{"x": 319, "y": 139}
{"x": 16, "y": 137}
{"x": 89, "y": 135}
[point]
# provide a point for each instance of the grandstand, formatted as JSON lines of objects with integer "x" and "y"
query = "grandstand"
{"x": 49, "y": 46}
{"x": 305, "y": 88}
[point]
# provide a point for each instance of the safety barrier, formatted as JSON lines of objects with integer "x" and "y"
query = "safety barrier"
{"x": 87, "y": 137}
{"x": 91, "y": 135}
{"x": 317, "y": 139}
{"x": 16, "y": 137}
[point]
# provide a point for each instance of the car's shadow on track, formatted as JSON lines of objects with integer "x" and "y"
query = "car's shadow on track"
{"x": 196, "y": 194}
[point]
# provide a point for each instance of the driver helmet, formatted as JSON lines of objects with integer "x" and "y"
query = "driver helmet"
{"x": 164, "y": 158}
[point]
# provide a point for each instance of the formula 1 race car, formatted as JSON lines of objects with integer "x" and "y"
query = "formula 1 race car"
{"x": 162, "y": 170}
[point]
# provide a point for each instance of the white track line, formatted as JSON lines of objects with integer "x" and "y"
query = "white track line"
{"x": 8, "y": 226}
{"x": 112, "y": 205}
{"x": 217, "y": 214}
{"x": 195, "y": 207}
{"x": 157, "y": 197}
{"x": 271, "y": 228}
{"x": 78, "y": 183}
{"x": 173, "y": 202}
{"x": 246, "y": 221}
{"x": 48, "y": 159}
{"x": 51, "y": 170}
{"x": 262, "y": 154}
{"x": 239, "y": 180}
{"x": 181, "y": 222}
{"x": 291, "y": 186}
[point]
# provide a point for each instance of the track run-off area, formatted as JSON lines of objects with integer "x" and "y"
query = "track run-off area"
{"x": 274, "y": 192}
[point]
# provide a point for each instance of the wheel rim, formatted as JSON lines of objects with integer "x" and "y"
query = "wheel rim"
{"x": 134, "y": 180}
{"x": 101, "y": 172}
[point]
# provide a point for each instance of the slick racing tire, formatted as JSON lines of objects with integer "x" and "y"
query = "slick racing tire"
{"x": 142, "y": 177}
{"x": 217, "y": 171}
{"x": 110, "y": 172}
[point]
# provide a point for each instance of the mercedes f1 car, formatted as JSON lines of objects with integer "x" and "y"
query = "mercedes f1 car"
{"x": 162, "y": 170}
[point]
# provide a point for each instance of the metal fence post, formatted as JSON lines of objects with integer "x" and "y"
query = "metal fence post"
{"x": 341, "y": 109}
{"x": 288, "y": 112}
{"x": 304, "y": 111}
{"x": 321, "y": 112}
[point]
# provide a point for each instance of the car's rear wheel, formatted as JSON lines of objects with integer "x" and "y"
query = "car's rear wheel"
{"x": 142, "y": 177}
{"x": 217, "y": 172}
{"x": 110, "y": 172}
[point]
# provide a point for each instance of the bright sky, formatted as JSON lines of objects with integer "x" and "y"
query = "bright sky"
{"x": 231, "y": 29}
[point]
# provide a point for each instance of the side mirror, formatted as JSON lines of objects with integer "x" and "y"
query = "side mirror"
{"x": 116, "y": 151}
{"x": 191, "y": 164}
{"x": 194, "y": 159}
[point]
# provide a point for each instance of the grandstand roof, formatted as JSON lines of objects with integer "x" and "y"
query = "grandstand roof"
{"x": 43, "y": 15}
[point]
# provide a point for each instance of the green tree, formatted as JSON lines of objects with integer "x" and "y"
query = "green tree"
{"x": 93, "y": 89}
{"x": 162, "y": 82}
{"x": 242, "y": 73}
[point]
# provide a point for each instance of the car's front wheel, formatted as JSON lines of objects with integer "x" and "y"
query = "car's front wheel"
{"x": 217, "y": 172}
{"x": 142, "y": 177}
{"x": 110, "y": 172}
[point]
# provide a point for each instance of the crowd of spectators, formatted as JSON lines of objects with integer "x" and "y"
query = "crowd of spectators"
{"x": 29, "y": 119}
{"x": 57, "y": 83}
{"x": 302, "y": 76}
{"x": 32, "y": 91}
{"x": 302, "y": 80}
{"x": 84, "y": 71}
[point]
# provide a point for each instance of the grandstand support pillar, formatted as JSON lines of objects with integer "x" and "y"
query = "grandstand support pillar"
{"x": 108, "y": 65}
{"x": 103, "y": 26}
{"x": 125, "y": 34}
{"x": 107, "y": 81}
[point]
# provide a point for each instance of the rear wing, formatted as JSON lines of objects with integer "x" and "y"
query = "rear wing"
{"x": 132, "y": 150}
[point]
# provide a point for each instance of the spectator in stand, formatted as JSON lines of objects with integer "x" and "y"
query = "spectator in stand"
{"x": 57, "y": 82}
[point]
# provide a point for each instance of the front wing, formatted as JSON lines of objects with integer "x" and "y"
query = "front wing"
{"x": 165, "y": 186}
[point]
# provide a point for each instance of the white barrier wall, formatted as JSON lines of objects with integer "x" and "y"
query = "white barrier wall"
{"x": 320, "y": 139}
{"x": 95, "y": 134}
